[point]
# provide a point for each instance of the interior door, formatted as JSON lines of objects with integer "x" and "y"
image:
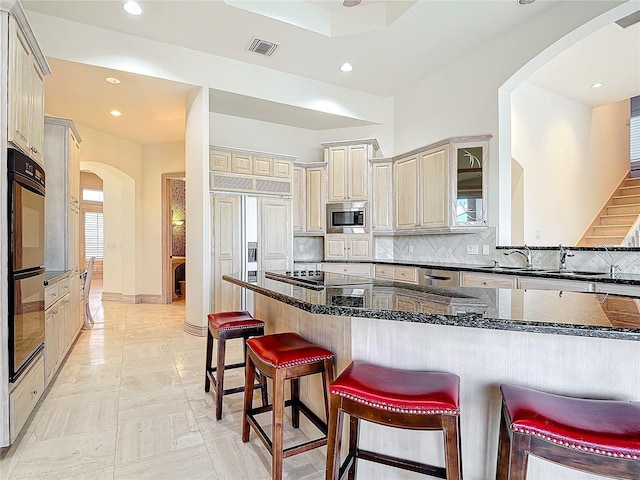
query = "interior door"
{"x": 275, "y": 234}
{"x": 226, "y": 250}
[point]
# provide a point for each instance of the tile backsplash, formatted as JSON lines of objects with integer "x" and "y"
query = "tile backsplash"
{"x": 452, "y": 248}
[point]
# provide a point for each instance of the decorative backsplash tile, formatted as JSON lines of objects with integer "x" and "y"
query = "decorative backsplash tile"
{"x": 178, "y": 212}
{"x": 308, "y": 249}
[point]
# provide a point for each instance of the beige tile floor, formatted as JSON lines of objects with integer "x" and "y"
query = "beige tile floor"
{"x": 129, "y": 403}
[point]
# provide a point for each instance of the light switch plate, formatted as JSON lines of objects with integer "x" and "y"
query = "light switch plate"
{"x": 485, "y": 249}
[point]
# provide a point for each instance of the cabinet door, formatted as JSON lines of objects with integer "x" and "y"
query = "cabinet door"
{"x": 434, "y": 178}
{"x": 335, "y": 247}
{"x": 359, "y": 248}
{"x": 405, "y": 174}
{"x": 357, "y": 174}
{"x": 262, "y": 166}
{"x": 241, "y": 163}
{"x": 337, "y": 174}
{"x": 18, "y": 88}
{"x": 74, "y": 239}
{"x": 36, "y": 111}
{"x": 282, "y": 168}
{"x": 275, "y": 236}
{"x": 315, "y": 212}
{"x": 226, "y": 251}
{"x": 381, "y": 179}
{"x": 74, "y": 170}
{"x": 299, "y": 194}
{"x": 50, "y": 343}
{"x": 220, "y": 161}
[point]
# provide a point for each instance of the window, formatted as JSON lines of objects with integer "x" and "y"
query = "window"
{"x": 93, "y": 235}
{"x": 635, "y": 129}
{"x": 91, "y": 195}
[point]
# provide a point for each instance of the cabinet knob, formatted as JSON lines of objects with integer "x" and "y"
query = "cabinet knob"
{"x": 34, "y": 393}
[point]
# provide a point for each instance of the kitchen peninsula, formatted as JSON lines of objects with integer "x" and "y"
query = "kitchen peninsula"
{"x": 571, "y": 343}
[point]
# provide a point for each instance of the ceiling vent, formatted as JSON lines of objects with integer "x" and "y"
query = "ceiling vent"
{"x": 629, "y": 20}
{"x": 262, "y": 47}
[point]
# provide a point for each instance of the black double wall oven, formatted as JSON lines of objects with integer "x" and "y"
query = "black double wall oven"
{"x": 26, "y": 261}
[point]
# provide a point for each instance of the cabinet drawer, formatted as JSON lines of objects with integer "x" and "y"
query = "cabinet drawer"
{"x": 51, "y": 294}
{"x": 24, "y": 397}
{"x": 359, "y": 269}
{"x": 555, "y": 284}
{"x": 64, "y": 287}
{"x": 473, "y": 279}
{"x": 384, "y": 271}
{"x": 405, "y": 274}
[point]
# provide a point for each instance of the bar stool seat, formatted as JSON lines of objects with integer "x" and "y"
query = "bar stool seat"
{"x": 225, "y": 326}
{"x": 285, "y": 356}
{"x": 418, "y": 400}
{"x": 595, "y": 436}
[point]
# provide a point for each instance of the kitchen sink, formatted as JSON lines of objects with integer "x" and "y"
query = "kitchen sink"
{"x": 499, "y": 268}
{"x": 583, "y": 273}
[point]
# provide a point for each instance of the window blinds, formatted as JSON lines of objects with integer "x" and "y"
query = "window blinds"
{"x": 93, "y": 235}
{"x": 635, "y": 129}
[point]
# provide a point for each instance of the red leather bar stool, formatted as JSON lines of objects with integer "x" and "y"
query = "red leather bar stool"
{"x": 225, "y": 326}
{"x": 595, "y": 436}
{"x": 416, "y": 400}
{"x": 285, "y": 356}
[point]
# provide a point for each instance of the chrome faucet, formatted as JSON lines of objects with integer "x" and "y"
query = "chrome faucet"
{"x": 526, "y": 253}
{"x": 612, "y": 266}
{"x": 564, "y": 253}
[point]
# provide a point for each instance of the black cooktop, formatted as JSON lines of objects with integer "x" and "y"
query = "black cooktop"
{"x": 316, "y": 278}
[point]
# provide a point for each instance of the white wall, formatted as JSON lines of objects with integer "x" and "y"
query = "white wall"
{"x": 462, "y": 98}
{"x": 573, "y": 157}
{"x": 157, "y": 159}
{"x": 230, "y": 131}
{"x": 119, "y": 163}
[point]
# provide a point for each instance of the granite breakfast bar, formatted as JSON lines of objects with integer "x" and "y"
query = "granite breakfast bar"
{"x": 570, "y": 343}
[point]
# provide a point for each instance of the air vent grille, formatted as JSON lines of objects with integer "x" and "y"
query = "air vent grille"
{"x": 629, "y": 20}
{"x": 273, "y": 186}
{"x": 262, "y": 47}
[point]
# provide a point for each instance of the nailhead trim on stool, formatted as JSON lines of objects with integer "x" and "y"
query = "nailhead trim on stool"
{"x": 225, "y": 326}
{"x": 285, "y": 356}
{"x": 417, "y": 400}
{"x": 588, "y": 435}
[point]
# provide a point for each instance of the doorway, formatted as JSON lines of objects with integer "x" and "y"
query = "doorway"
{"x": 91, "y": 223}
{"x": 174, "y": 227}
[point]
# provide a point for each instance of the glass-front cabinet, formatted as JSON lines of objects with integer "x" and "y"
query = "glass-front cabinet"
{"x": 468, "y": 173}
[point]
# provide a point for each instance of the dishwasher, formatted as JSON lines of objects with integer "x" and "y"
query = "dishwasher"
{"x": 430, "y": 276}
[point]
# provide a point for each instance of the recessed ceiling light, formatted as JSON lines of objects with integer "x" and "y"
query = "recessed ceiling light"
{"x": 346, "y": 67}
{"x": 596, "y": 85}
{"x": 112, "y": 80}
{"x": 115, "y": 113}
{"x": 525, "y": 2}
{"x": 132, "y": 7}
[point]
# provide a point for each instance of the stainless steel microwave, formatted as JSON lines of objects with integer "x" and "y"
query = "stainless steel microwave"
{"x": 347, "y": 217}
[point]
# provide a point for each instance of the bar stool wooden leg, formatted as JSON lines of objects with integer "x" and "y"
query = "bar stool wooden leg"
{"x": 222, "y": 346}
{"x": 250, "y": 377}
{"x": 277, "y": 435}
{"x": 504, "y": 451}
{"x": 207, "y": 382}
{"x": 452, "y": 447}
{"x": 519, "y": 457}
{"x": 354, "y": 432}
{"x": 334, "y": 436}
{"x": 295, "y": 402}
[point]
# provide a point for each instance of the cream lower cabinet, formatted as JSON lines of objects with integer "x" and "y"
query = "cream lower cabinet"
{"x": 357, "y": 269}
{"x": 397, "y": 273}
{"x": 536, "y": 283}
{"x": 24, "y": 396}
{"x": 490, "y": 280}
{"x": 347, "y": 247}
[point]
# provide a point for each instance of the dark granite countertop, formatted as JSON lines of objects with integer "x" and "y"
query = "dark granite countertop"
{"x": 603, "y": 277}
{"x": 537, "y": 311}
{"x": 53, "y": 276}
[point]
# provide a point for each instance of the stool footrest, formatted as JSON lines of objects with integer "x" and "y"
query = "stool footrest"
{"x": 404, "y": 464}
{"x": 227, "y": 367}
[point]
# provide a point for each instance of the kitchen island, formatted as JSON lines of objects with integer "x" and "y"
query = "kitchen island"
{"x": 564, "y": 342}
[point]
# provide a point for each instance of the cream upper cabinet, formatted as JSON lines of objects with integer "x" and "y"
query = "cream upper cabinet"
{"x": 61, "y": 151}
{"x": 382, "y": 198}
{"x": 348, "y": 178}
{"x": 27, "y": 68}
{"x": 299, "y": 199}
{"x": 241, "y": 163}
{"x": 442, "y": 187}
{"x": 347, "y": 247}
{"x": 282, "y": 168}
{"x": 220, "y": 161}
{"x": 406, "y": 193}
{"x": 314, "y": 205}
{"x": 225, "y": 258}
{"x": 308, "y": 198}
{"x": 262, "y": 166}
